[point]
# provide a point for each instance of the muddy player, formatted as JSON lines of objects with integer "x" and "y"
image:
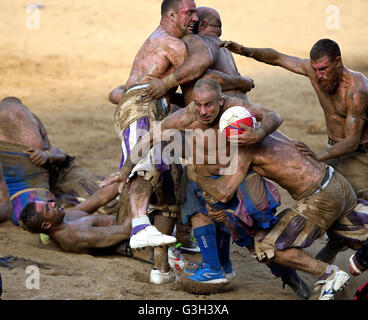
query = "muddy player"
{"x": 324, "y": 197}
{"x": 80, "y": 229}
{"x": 343, "y": 95}
{"x": 33, "y": 169}
{"x": 205, "y": 59}
{"x": 160, "y": 54}
{"x": 76, "y": 229}
{"x": 176, "y": 119}
{"x": 6, "y": 208}
{"x": 209, "y": 29}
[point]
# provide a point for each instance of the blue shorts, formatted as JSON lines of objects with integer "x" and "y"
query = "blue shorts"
{"x": 26, "y": 181}
{"x": 253, "y": 207}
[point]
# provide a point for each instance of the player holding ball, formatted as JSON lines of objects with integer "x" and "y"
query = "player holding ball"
{"x": 211, "y": 110}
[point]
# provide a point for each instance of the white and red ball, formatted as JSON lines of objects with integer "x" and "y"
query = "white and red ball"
{"x": 232, "y": 117}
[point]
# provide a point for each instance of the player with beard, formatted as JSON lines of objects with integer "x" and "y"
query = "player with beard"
{"x": 343, "y": 95}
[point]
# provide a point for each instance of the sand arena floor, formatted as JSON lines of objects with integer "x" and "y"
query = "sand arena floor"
{"x": 63, "y": 72}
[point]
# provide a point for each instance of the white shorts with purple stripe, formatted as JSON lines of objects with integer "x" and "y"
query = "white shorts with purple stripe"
{"x": 153, "y": 164}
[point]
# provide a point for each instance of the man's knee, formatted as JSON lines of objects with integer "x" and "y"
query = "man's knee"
{"x": 140, "y": 185}
{"x": 200, "y": 219}
{"x": 116, "y": 94}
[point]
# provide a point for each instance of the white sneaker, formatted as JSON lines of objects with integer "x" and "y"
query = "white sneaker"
{"x": 176, "y": 259}
{"x": 150, "y": 237}
{"x": 158, "y": 277}
{"x": 332, "y": 285}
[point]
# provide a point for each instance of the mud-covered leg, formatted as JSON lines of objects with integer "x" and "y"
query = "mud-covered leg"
{"x": 332, "y": 279}
{"x": 161, "y": 272}
{"x": 166, "y": 226}
{"x": 143, "y": 233}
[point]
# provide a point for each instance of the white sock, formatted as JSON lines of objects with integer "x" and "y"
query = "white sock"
{"x": 140, "y": 220}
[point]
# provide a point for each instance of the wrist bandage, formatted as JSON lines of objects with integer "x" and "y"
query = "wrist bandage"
{"x": 170, "y": 81}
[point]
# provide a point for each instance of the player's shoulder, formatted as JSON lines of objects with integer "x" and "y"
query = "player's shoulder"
{"x": 234, "y": 102}
{"x": 307, "y": 68}
{"x": 190, "y": 112}
{"x": 163, "y": 40}
{"x": 357, "y": 89}
{"x": 212, "y": 41}
{"x": 194, "y": 40}
{"x": 359, "y": 82}
{"x": 192, "y": 37}
{"x": 172, "y": 44}
{"x": 181, "y": 118}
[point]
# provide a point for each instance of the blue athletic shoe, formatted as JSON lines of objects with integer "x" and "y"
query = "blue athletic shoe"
{"x": 229, "y": 271}
{"x": 192, "y": 267}
{"x": 205, "y": 274}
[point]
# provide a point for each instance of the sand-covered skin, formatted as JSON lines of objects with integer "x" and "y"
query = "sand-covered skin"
{"x": 64, "y": 71}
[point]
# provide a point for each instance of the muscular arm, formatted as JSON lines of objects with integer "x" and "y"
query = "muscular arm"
{"x": 50, "y": 154}
{"x": 199, "y": 59}
{"x": 356, "y": 119}
{"x": 224, "y": 188}
{"x": 273, "y": 57}
{"x": 6, "y": 208}
{"x": 89, "y": 237}
{"x": 230, "y": 82}
{"x": 270, "y": 56}
{"x": 99, "y": 199}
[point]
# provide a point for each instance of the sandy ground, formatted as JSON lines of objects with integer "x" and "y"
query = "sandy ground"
{"x": 63, "y": 72}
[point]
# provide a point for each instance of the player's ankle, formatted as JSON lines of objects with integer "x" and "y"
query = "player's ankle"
{"x": 139, "y": 223}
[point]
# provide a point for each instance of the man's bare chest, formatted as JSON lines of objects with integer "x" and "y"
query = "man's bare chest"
{"x": 334, "y": 106}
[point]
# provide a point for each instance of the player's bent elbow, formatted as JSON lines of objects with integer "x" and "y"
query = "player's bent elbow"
{"x": 352, "y": 146}
{"x": 279, "y": 119}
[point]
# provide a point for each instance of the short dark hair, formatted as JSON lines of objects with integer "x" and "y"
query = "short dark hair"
{"x": 31, "y": 219}
{"x": 325, "y": 47}
{"x": 166, "y": 5}
{"x": 209, "y": 84}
